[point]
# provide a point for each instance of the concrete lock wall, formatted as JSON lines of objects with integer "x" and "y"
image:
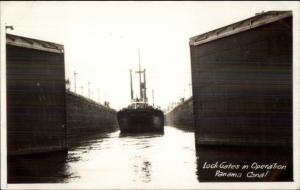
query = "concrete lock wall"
{"x": 242, "y": 87}
{"x": 181, "y": 116}
{"x": 86, "y": 117}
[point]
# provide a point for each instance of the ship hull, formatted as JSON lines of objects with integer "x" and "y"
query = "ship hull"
{"x": 141, "y": 121}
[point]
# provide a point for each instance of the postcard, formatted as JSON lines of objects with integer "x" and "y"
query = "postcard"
{"x": 149, "y": 95}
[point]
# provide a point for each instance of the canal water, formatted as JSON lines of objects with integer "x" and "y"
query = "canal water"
{"x": 171, "y": 160}
{"x": 127, "y": 161}
{"x": 114, "y": 161}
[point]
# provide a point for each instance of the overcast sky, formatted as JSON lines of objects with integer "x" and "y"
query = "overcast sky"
{"x": 101, "y": 40}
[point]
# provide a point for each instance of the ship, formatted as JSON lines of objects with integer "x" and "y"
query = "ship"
{"x": 139, "y": 116}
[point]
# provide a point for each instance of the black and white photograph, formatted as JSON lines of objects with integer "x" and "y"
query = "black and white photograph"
{"x": 150, "y": 94}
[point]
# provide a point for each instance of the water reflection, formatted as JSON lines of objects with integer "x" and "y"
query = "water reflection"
{"x": 140, "y": 136}
{"x": 113, "y": 160}
{"x": 142, "y": 169}
{"x": 119, "y": 160}
{"x": 42, "y": 168}
{"x": 168, "y": 161}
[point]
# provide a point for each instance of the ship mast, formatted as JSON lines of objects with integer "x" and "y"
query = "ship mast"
{"x": 144, "y": 87}
{"x": 143, "y": 95}
{"x": 152, "y": 97}
{"x": 131, "y": 89}
{"x": 140, "y": 77}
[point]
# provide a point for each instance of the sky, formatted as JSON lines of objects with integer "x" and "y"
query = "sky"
{"x": 101, "y": 40}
